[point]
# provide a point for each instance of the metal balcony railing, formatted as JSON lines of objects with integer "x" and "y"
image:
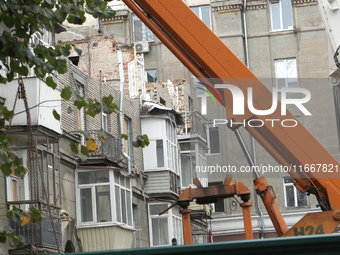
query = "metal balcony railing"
{"x": 107, "y": 145}
{"x": 194, "y": 123}
{"x": 44, "y": 234}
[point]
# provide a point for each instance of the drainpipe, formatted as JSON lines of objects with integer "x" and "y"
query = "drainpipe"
{"x": 252, "y": 138}
{"x": 121, "y": 104}
{"x": 99, "y": 28}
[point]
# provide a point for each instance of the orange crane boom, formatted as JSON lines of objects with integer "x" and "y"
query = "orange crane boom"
{"x": 212, "y": 62}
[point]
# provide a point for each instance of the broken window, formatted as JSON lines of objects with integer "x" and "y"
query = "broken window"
{"x": 286, "y": 73}
{"x": 151, "y": 75}
{"x": 281, "y": 14}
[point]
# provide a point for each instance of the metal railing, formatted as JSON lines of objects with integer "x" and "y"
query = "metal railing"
{"x": 44, "y": 237}
{"x": 194, "y": 123}
{"x": 107, "y": 145}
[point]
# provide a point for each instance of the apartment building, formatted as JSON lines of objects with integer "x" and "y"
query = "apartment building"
{"x": 94, "y": 203}
{"x": 284, "y": 43}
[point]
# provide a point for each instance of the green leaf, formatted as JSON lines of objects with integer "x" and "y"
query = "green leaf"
{"x": 56, "y": 115}
{"x": 69, "y": 110}
{"x": 135, "y": 144}
{"x": 85, "y": 151}
{"x": 17, "y": 161}
{"x": 50, "y": 82}
{"x": 2, "y": 122}
{"x": 2, "y": 137}
{"x": 79, "y": 51}
{"x": 9, "y": 21}
{"x": 20, "y": 171}
{"x": 9, "y": 139}
{"x": 5, "y": 158}
{"x": 125, "y": 136}
{"x": 6, "y": 169}
{"x": 146, "y": 140}
{"x": 7, "y": 114}
{"x": 64, "y": 51}
{"x": 66, "y": 93}
{"x": 74, "y": 148}
{"x": 35, "y": 215}
{"x": 23, "y": 70}
{"x": 14, "y": 65}
{"x": 14, "y": 214}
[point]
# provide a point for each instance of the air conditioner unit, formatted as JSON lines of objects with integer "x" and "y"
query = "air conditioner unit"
{"x": 142, "y": 47}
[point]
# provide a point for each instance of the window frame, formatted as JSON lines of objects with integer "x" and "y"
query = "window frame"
{"x": 133, "y": 88}
{"x": 170, "y": 216}
{"x": 128, "y": 142}
{"x": 147, "y": 75}
{"x": 147, "y": 35}
{"x": 200, "y": 13}
{"x": 112, "y": 185}
{"x": 296, "y": 204}
{"x": 287, "y": 79}
{"x": 171, "y": 144}
{"x": 208, "y": 139}
{"x": 271, "y": 2}
{"x": 105, "y": 122}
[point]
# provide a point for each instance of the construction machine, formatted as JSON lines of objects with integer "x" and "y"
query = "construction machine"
{"x": 212, "y": 62}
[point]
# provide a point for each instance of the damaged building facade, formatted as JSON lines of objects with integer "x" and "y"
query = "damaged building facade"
{"x": 275, "y": 39}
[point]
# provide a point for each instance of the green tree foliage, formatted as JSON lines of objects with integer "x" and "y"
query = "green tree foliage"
{"x": 22, "y": 20}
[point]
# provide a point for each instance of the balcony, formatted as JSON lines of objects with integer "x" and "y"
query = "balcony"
{"x": 45, "y": 233}
{"x": 42, "y": 99}
{"x": 44, "y": 236}
{"x": 194, "y": 125}
{"x": 108, "y": 146}
{"x": 163, "y": 183}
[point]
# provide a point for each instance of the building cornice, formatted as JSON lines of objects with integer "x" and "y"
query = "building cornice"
{"x": 298, "y": 3}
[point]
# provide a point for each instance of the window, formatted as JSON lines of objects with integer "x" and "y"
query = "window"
{"x": 191, "y": 104}
{"x": 104, "y": 196}
{"x": 202, "y": 162}
{"x": 203, "y": 12}
{"x": 281, "y": 14}
{"x": 162, "y": 101}
{"x": 187, "y": 176}
{"x": 165, "y": 227}
{"x": 286, "y": 73}
{"x": 293, "y": 197}
{"x": 13, "y": 189}
{"x": 213, "y": 137}
{"x": 151, "y": 75}
{"x": 135, "y": 84}
{"x": 160, "y": 153}
{"x": 128, "y": 142}
{"x": 141, "y": 32}
{"x": 74, "y": 60}
{"x": 172, "y": 149}
{"x": 219, "y": 205}
{"x": 105, "y": 122}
